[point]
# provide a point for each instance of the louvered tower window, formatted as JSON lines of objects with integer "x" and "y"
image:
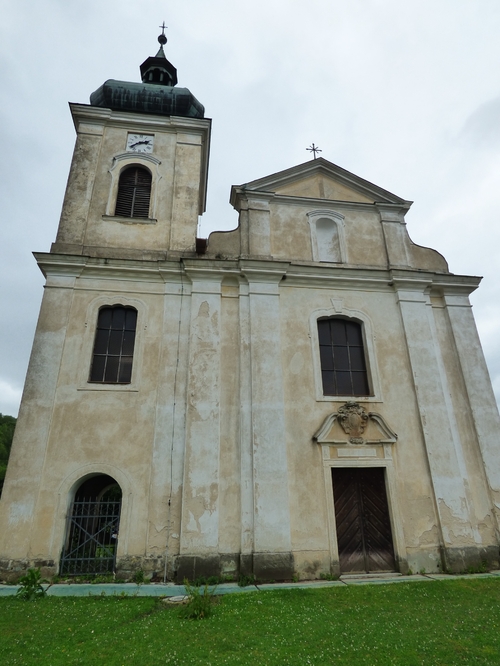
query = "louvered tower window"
{"x": 134, "y": 193}
{"x": 343, "y": 365}
{"x": 114, "y": 345}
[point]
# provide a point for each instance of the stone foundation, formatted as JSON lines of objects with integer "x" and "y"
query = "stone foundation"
{"x": 12, "y": 570}
{"x": 470, "y": 559}
{"x": 128, "y": 565}
{"x": 264, "y": 566}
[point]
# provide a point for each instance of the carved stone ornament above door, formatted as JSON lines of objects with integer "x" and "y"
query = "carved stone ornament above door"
{"x": 360, "y": 426}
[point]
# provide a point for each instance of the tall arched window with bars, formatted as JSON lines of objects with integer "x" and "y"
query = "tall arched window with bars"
{"x": 114, "y": 345}
{"x": 134, "y": 192}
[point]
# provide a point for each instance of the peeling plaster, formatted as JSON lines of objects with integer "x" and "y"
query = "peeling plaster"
{"x": 20, "y": 511}
{"x": 456, "y": 533}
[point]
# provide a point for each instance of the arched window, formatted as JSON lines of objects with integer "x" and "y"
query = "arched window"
{"x": 114, "y": 345}
{"x": 134, "y": 192}
{"x": 343, "y": 364}
{"x": 92, "y": 527}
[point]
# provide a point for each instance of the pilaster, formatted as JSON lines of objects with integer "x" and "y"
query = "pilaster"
{"x": 395, "y": 236}
{"x": 479, "y": 390}
{"x": 259, "y": 229}
{"x": 439, "y": 427}
{"x": 272, "y": 537}
{"x": 200, "y": 502}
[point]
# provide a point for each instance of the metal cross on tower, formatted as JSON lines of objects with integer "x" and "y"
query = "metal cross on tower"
{"x": 314, "y": 149}
{"x": 162, "y": 38}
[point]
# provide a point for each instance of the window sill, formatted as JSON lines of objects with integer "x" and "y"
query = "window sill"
{"x": 130, "y": 220}
{"x": 348, "y": 398}
{"x": 127, "y": 388}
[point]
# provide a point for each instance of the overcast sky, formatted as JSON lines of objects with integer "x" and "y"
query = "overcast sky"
{"x": 404, "y": 94}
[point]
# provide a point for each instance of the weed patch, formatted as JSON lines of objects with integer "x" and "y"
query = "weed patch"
{"x": 199, "y": 603}
{"x": 31, "y": 586}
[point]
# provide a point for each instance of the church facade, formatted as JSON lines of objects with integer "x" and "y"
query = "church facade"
{"x": 304, "y": 395}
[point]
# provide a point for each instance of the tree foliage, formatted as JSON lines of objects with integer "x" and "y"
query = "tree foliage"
{"x": 7, "y": 426}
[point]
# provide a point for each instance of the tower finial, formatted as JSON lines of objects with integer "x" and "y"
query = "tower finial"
{"x": 162, "y": 38}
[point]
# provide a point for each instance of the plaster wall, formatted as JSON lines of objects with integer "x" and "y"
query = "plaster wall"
{"x": 318, "y": 186}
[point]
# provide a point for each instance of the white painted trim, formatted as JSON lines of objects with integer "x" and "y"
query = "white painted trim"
{"x": 340, "y": 311}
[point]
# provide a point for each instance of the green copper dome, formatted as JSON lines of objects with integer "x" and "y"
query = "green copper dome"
{"x": 156, "y": 94}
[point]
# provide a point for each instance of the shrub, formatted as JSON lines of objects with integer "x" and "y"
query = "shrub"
{"x": 199, "y": 603}
{"x": 139, "y": 578}
{"x": 328, "y": 576}
{"x": 245, "y": 581}
{"x": 30, "y": 586}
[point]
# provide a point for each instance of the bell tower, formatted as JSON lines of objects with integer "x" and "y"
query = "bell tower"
{"x": 116, "y": 281}
{"x": 138, "y": 178}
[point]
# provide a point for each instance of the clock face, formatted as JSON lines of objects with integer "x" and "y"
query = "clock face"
{"x": 140, "y": 143}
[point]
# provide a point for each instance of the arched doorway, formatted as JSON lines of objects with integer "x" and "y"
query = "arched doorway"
{"x": 92, "y": 528}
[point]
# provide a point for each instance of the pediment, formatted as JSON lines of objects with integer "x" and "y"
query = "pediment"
{"x": 352, "y": 424}
{"x": 321, "y": 179}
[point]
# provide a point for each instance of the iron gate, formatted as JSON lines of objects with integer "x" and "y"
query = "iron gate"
{"x": 92, "y": 538}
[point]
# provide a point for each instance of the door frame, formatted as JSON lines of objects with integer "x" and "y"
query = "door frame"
{"x": 362, "y": 456}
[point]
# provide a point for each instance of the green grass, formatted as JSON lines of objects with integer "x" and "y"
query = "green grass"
{"x": 449, "y": 622}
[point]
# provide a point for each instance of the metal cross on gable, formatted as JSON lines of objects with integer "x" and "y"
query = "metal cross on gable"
{"x": 314, "y": 149}
{"x": 163, "y": 26}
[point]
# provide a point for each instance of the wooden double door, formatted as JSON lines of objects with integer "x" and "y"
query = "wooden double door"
{"x": 364, "y": 532}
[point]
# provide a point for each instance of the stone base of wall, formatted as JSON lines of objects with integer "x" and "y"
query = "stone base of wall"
{"x": 12, "y": 570}
{"x": 471, "y": 559}
{"x": 129, "y": 565}
{"x": 264, "y": 566}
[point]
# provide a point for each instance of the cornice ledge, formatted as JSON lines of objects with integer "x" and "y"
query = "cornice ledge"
{"x": 216, "y": 265}
{"x": 341, "y": 276}
{"x": 239, "y": 194}
{"x": 393, "y": 212}
{"x": 57, "y": 264}
{"x": 115, "y": 272}
{"x": 444, "y": 283}
{"x": 263, "y": 271}
{"x": 417, "y": 282}
{"x": 450, "y": 284}
{"x": 93, "y": 267}
{"x": 323, "y": 203}
{"x": 89, "y": 113}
